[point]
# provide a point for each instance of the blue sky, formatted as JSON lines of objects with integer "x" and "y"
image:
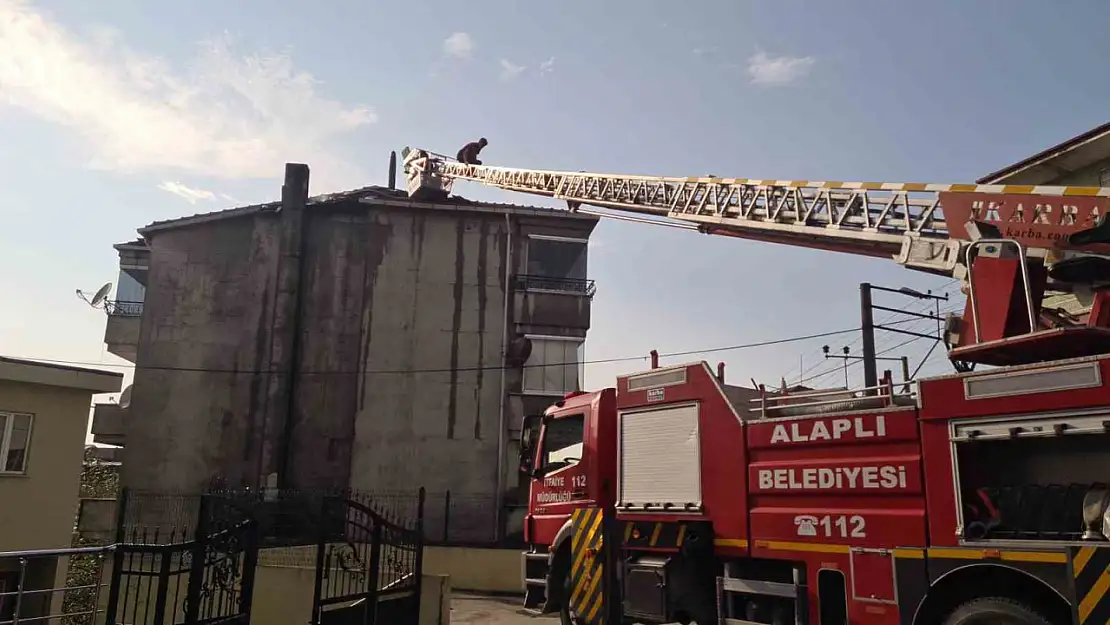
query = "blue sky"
{"x": 120, "y": 112}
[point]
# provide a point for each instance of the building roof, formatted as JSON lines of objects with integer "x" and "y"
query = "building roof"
{"x": 371, "y": 194}
{"x": 1071, "y": 155}
{"x": 51, "y": 374}
{"x": 137, "y": 244}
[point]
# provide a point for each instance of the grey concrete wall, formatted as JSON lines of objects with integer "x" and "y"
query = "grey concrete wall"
{"x": 206, "y": 316}
{"x": 398, "y": 375}
{"x": 435, "y": 307}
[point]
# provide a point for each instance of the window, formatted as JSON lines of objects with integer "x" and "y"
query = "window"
{"x": 555, "y": 365}
{"x": 556, "y": 257}
{"x": 562, "y": 442}
{"x": 131, "y": 288}
{"x": 15, "y": 439}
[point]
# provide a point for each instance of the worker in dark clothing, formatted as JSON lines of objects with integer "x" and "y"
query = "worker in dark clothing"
{"x": 469, "y": 152}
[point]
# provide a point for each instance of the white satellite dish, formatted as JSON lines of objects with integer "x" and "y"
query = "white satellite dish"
{"x": 125, "y": 397}
{"x": 98, "y": 297}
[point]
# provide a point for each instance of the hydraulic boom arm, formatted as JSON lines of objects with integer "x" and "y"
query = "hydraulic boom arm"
{"x": 921, "y": 226}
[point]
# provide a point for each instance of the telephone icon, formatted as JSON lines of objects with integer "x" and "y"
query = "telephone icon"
{"x": 807, "y": 525}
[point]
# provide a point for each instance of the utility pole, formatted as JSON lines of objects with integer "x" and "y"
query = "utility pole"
{"x": 867, "y": 326}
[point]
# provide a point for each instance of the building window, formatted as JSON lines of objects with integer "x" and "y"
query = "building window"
{"x": 556, "y": 264}
{"x": 15, "y": 440}
{"x": 555, "y": 365}
{"x": 1104, "y": 177}
{"x": 130, "y": 294}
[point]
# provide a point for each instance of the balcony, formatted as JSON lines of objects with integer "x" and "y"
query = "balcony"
{"x": 552, "y": 302}
{"x": 109, "y": 424}
{"x": 121, "y": 334}
{"x": 566, "y": 286}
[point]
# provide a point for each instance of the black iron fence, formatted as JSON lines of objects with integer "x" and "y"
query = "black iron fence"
{"x": 117, "y": 308}
{"x": 561, "y": 285}
{"x": 288, "y": 517}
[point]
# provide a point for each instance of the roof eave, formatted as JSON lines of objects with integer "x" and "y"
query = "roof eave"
{"x": 1047, "y": 155}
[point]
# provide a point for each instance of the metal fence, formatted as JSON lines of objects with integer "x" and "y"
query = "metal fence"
{"x": 286, "y": 516}
{"x": 117, "y": 308}
{"x": 30, "y": 594}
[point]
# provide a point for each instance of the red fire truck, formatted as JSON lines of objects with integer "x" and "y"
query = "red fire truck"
{"x": 982, "y": 497}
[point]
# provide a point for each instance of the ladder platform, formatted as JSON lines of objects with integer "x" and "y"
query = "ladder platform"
{"x": 1046, "y": 345}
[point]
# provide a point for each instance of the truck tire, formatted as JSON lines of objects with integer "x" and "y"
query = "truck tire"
{"x": 996, "y": 611}
{"x": 564, "y": 604}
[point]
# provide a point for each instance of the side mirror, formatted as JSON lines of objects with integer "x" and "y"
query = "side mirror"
{"x": 529, "y": 437}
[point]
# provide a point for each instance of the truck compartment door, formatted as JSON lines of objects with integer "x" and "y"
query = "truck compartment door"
{"x": 873, "y": 575}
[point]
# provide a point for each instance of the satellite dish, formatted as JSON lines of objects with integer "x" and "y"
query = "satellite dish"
{"x": 101, "y": 293}
{"x": 98, "y": 297}
{"x": 125, "y": 397}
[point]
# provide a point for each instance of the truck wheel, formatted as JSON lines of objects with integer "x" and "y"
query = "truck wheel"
{"x": 564, "y": 604}
{"x": 995, "y": 611}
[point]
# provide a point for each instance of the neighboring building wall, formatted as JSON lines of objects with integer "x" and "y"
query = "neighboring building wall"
{"x": 38, "y": 507}
{"x": 43, "y": 418}
{"x": 401, "y": 326}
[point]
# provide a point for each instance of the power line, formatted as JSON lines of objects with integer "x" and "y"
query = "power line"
{"x": 854, "y": 363}
{"x": 454, "y": 369}
{"x": 943, "y": 289}
{"x": 803, "y": 378}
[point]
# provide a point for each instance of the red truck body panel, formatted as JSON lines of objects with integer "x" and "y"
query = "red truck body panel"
{"x": 723, "y": 457}
{"x": 866, "y": 486}
{"x": 850, "y": 478}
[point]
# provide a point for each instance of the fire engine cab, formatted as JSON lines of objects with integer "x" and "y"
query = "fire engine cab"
{"x": 979, "y": 497}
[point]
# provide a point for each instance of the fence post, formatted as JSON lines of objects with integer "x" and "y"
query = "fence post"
{"x": 370, "y": 611}
{"x": 446, "y": 513}
{"x": 196, "y": 572}
{"x": 419, "y": 572}
{"x": 117, "y": 557}
{"x": 321, "y": 545}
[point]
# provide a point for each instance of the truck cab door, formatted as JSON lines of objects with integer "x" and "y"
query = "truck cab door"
{"x": 559, "y": 481}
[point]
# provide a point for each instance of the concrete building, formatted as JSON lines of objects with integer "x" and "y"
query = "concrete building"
{"x": 357, "y": 339}
{"x": 44, "y": 412}
{"x": 1083, "y": 160}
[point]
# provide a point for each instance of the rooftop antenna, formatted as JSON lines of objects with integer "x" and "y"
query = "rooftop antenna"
{"x": 98, "y": 298}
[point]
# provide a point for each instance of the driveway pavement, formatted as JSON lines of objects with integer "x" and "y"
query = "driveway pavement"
{"x": 467, "y": 608}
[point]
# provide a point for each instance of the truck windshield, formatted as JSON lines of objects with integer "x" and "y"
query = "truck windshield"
{"x": 562, "y": 442}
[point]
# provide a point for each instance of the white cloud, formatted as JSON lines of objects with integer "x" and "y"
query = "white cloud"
{"x": 187, "y": 193}
{"x": 509, "y": 70}
{"x": 778, "y": 70}
{"x": 547, "y": 66}
{"x": 226, "y": 115}
{"x": 459, "y": 45}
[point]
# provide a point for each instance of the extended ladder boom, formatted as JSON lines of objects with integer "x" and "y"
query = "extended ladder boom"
{"x": 921, "y": 226}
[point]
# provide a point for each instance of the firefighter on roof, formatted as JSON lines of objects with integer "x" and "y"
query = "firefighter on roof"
{"x": 469, "y": 152}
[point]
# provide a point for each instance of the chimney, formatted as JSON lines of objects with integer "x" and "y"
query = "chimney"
{"x": 721, "y": 372}
{"x": 654, "y": 359}
{"x": 393, "y": 170}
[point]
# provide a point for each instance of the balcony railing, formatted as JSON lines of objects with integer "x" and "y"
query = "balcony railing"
{"x": 117, "y": 308}
{"x": 559, "y": 285}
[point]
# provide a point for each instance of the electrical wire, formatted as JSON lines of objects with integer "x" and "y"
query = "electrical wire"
{"x": 943, "y": 290}
{"x": 803, "y": 378}
{"x": 843, "y": 368}
{"x": 710, "y": 350}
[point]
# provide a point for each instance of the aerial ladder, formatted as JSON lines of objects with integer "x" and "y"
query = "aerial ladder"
{"x": 1009, "y": 245}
